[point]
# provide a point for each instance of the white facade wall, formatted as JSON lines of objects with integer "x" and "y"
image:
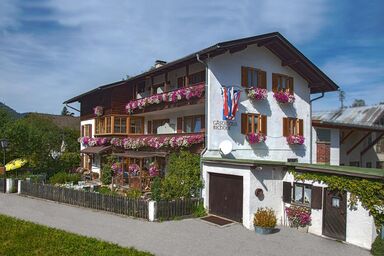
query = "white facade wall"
{"x": 96, "y": 161}
{"x": 225, "y": 70}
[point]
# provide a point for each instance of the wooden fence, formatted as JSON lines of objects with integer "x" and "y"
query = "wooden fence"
{"x": 2, "y": 185}
{"x": 166, "y": 210}
{"x": 116, "y": 204}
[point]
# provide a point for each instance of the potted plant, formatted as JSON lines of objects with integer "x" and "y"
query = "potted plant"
{"x": 264, "y": 221}
{"x": 98, "y": 110}
{"x": 299, "y": 217}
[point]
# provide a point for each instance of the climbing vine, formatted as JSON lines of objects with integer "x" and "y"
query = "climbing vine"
{"x": 370, "y": 193}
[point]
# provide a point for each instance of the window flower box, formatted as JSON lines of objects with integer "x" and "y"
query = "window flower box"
{"x": 254, "y": 138}
{"x": 256, "y": 93}
{"x": 91, "y": 142}
{"x": 98, "y": 110}
{"x": 295, "y": 140}
{"x": 172, "y": 97}
{"x": 298, "y": 216}
{"x": 284, "y": 97}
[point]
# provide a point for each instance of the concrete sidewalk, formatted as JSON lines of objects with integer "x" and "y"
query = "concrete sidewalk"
{"x": 185, "y": 237}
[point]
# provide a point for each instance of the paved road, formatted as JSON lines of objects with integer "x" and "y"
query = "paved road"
{"x": 185, "y": 237}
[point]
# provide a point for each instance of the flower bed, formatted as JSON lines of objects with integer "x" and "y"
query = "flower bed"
{"x": 284, "y": 97}
{"x": 295, "y": 140}
{"x": 256, "y": 138}
{"x": 257, "y": 93}
{"x": 298, "y": 216}
{"x": 173, "y": 96}
{"x": 155, "y": 142}
{"x": 98, "y": 110}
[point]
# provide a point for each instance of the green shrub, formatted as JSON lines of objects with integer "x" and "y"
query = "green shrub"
{"x": 156, "y": 189}
{"x": 106, "y": 170}
{"x": 69, "y": 161}
{"x": 106, "y": 191}
{"x": 133, "y": 193}
{"x": 63, "y": 177}
{"x": 378, "y": 246}
{"x": 183, "y": 177}
{"x": 199, "y": 211}
{"x": 265, "y": 217}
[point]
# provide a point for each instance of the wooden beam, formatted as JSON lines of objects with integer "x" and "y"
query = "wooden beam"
{"x": 289, "y": 62}
{"x": 346, "y": 136}
{"x": 237, "y": 48}
{"x": 266, "y": 42}
{"x": 358, "y": 143}
{"x": 371, "y": 144}
{"x": 217, "y": 52}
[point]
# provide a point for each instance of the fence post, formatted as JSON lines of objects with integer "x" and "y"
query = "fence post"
{"x": 19, "y": 187}
{"x": 152, "y": 210}
{"x": 9, "y": 185}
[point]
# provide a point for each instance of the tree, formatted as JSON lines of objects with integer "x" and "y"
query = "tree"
{"x": 65, "y": 112}
{"x": 358, "y": 103}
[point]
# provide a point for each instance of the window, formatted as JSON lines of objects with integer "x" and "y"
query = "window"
{"x": 252, "y": 77}
{"x": 140, "y": 87}
{"x": 380, "y": 145}
{"x": 86, "y": 130}
{"x": 158, "y": 88}
{"x": 282, "y": 83}
{"x": 196, "y": 78}
{"x": 103, "y": 125}
{"x": 253, "y": 123}
{"x": 302, "y": 193}
{"x": 157, "y": 123}
{"x": 180, "y": 82}
{"x": 193, "y": 124}
{"x": 323, "y": 135}
{"x": 354, "y": 163}
{"x": 136, "y": 125}
{"x": 120, "y": 125}
{"x": 292, "y": 126}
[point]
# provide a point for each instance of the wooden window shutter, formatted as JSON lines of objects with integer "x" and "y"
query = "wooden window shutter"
{"x": 287, "y": 192}
{"x": 301, "y": 127}
{"x": 275, "y": 82}
{"x": 317, "y": 197}
{"x": 262, "y": 79}
{"x": 149, "y": 127}
{"x": 244, "y": 124}
{"x": 202, "y": 123}
{"x": 179, "y": 125}
{"x": 285, "y": 126}
{"x": 244, "y": 76}
{"x": 82, "y": 131}
{"x": 90, "y": 130}
{"x": 290, "y": 85}
{"x": 263, "y": 127}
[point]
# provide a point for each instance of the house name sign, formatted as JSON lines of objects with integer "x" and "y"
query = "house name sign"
{"x": 223, "y": 125}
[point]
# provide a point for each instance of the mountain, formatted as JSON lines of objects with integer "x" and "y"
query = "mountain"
{"x": 10, "y": 110}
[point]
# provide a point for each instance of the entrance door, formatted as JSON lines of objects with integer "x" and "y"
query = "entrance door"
{"x": 334, "y": 215}
{"x": 226, "y": 196}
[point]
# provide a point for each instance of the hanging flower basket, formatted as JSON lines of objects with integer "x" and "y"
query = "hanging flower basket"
{"x": 298, "y": 216}
{"x": 256, "y": 93}
{"x": 254, "y": 138}
{"x": 295, "y": 140}
{"x": 284, "y": 97}
{"x": 153, "y": 169}
{"x": 134, "y": 169}
{"x": 98, "y": 110}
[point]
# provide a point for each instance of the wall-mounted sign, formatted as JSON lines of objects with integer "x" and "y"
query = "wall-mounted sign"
{"x": 223, "y": 125}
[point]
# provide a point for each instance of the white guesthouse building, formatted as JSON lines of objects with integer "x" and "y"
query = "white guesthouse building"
{"x": 251, "y": 175}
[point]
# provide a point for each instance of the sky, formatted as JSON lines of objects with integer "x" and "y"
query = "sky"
{"x": 52, "y": 50}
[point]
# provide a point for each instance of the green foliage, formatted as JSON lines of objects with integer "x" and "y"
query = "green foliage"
{"x": 63, "y": 177}
{"x": 69, "y": 161}
{"x": 133, "y": 193}
{"x": 369, "y": 192}
{"x": 378, "y": 247}
{"x": 27, "y": 238}
{"x": 106, "y": 191}
{"x": 265, "y": 217}
{"x": 106, "y": 171}
{"x": 199, "y": 211}
{"x": 156, "y": 189}
{"x": 183, "y": 177}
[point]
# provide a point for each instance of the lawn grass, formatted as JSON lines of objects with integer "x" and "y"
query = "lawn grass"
{"x": 20, "y": 237}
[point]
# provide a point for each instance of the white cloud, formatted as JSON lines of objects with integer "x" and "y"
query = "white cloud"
{"x": 98, "y": 42}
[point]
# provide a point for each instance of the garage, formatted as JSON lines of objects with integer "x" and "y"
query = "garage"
{"x": 226, "y": 196}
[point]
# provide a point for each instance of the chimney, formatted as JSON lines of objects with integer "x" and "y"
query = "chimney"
{"x": 159, "y": 63}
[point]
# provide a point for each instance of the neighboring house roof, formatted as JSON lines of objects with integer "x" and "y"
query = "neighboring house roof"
{"x": 275, "y": 42}
{"x": 367, "y": 117}
{"x": 61, "y": 121}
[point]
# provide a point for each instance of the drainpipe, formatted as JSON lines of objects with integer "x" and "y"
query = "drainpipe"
{"x": 311, "y": 133}
{"x": 206, "y": 118}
